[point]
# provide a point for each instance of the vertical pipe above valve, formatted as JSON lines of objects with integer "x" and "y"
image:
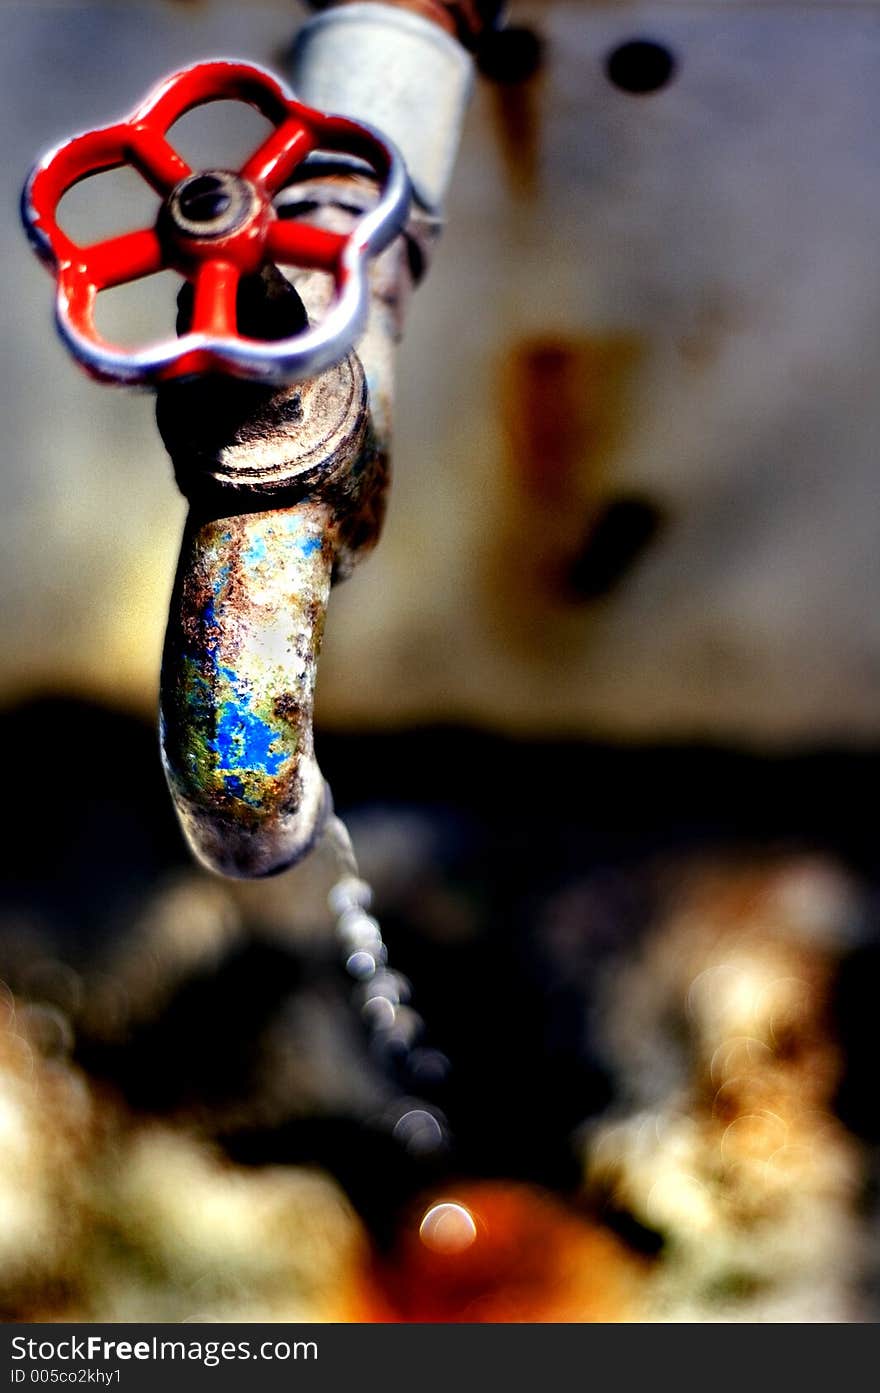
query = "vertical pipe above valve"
{"x": 402, "y": 73}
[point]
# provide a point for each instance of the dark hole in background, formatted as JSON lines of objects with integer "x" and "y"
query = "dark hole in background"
{"x": 510, "y": 55}
{"x": 616, "y": 539}
{"x": 640, "y": 66}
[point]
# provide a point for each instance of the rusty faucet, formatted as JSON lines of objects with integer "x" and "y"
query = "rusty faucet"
{"x": 279, "y": 431}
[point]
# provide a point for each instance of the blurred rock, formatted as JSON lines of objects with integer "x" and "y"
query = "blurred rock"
{"x": 723, "y": 1143}
{"x": 105, "y": 1218}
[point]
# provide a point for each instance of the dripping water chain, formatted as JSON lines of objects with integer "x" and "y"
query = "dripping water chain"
{"x": 382, "y": 998}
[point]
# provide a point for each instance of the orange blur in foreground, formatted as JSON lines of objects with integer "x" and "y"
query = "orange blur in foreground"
{"x": 497, "y": 1252}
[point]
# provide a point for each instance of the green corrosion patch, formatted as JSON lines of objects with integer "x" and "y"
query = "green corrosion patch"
{"x": 198, "y": 704}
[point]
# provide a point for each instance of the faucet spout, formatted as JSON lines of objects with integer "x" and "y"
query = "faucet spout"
{"x": 238, "y": 686}
{"x": 283, "y": 500}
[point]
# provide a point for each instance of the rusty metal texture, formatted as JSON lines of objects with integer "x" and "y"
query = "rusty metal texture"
{"x": 226, "y": 436}
{"x": 333, "y": 202}
{"x": 248, "y": 611}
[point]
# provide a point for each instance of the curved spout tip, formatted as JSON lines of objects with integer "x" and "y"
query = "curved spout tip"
{"x": 251, "y": 849}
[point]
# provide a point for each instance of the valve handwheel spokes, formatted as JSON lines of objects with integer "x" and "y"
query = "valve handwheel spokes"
{"x": 214, "y": 227}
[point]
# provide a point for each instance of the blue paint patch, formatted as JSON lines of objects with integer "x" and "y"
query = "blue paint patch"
{"x": 243, "y": 743}
{"x": 310, "y": 545}
{"x": 256, "y": 552}
{"x": 222, "y": 578}
{"x": 227, "y": 537}
{"x": 243, "y": 739}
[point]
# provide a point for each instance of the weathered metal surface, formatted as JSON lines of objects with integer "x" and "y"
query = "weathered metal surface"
{"x": 227, "y": 438}
{"x": 248, "y": 610}
{"x": 333, "y": 202}
{"x": 238, "y": 686}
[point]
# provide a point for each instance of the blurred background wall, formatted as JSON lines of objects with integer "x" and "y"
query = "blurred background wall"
{"x": 636, "y": 413}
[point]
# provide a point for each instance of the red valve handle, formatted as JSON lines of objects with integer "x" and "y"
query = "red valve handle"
{"x": 213, "y": 254}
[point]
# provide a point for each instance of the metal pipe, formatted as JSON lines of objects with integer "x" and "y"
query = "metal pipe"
{"x": 402, "y": 73}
